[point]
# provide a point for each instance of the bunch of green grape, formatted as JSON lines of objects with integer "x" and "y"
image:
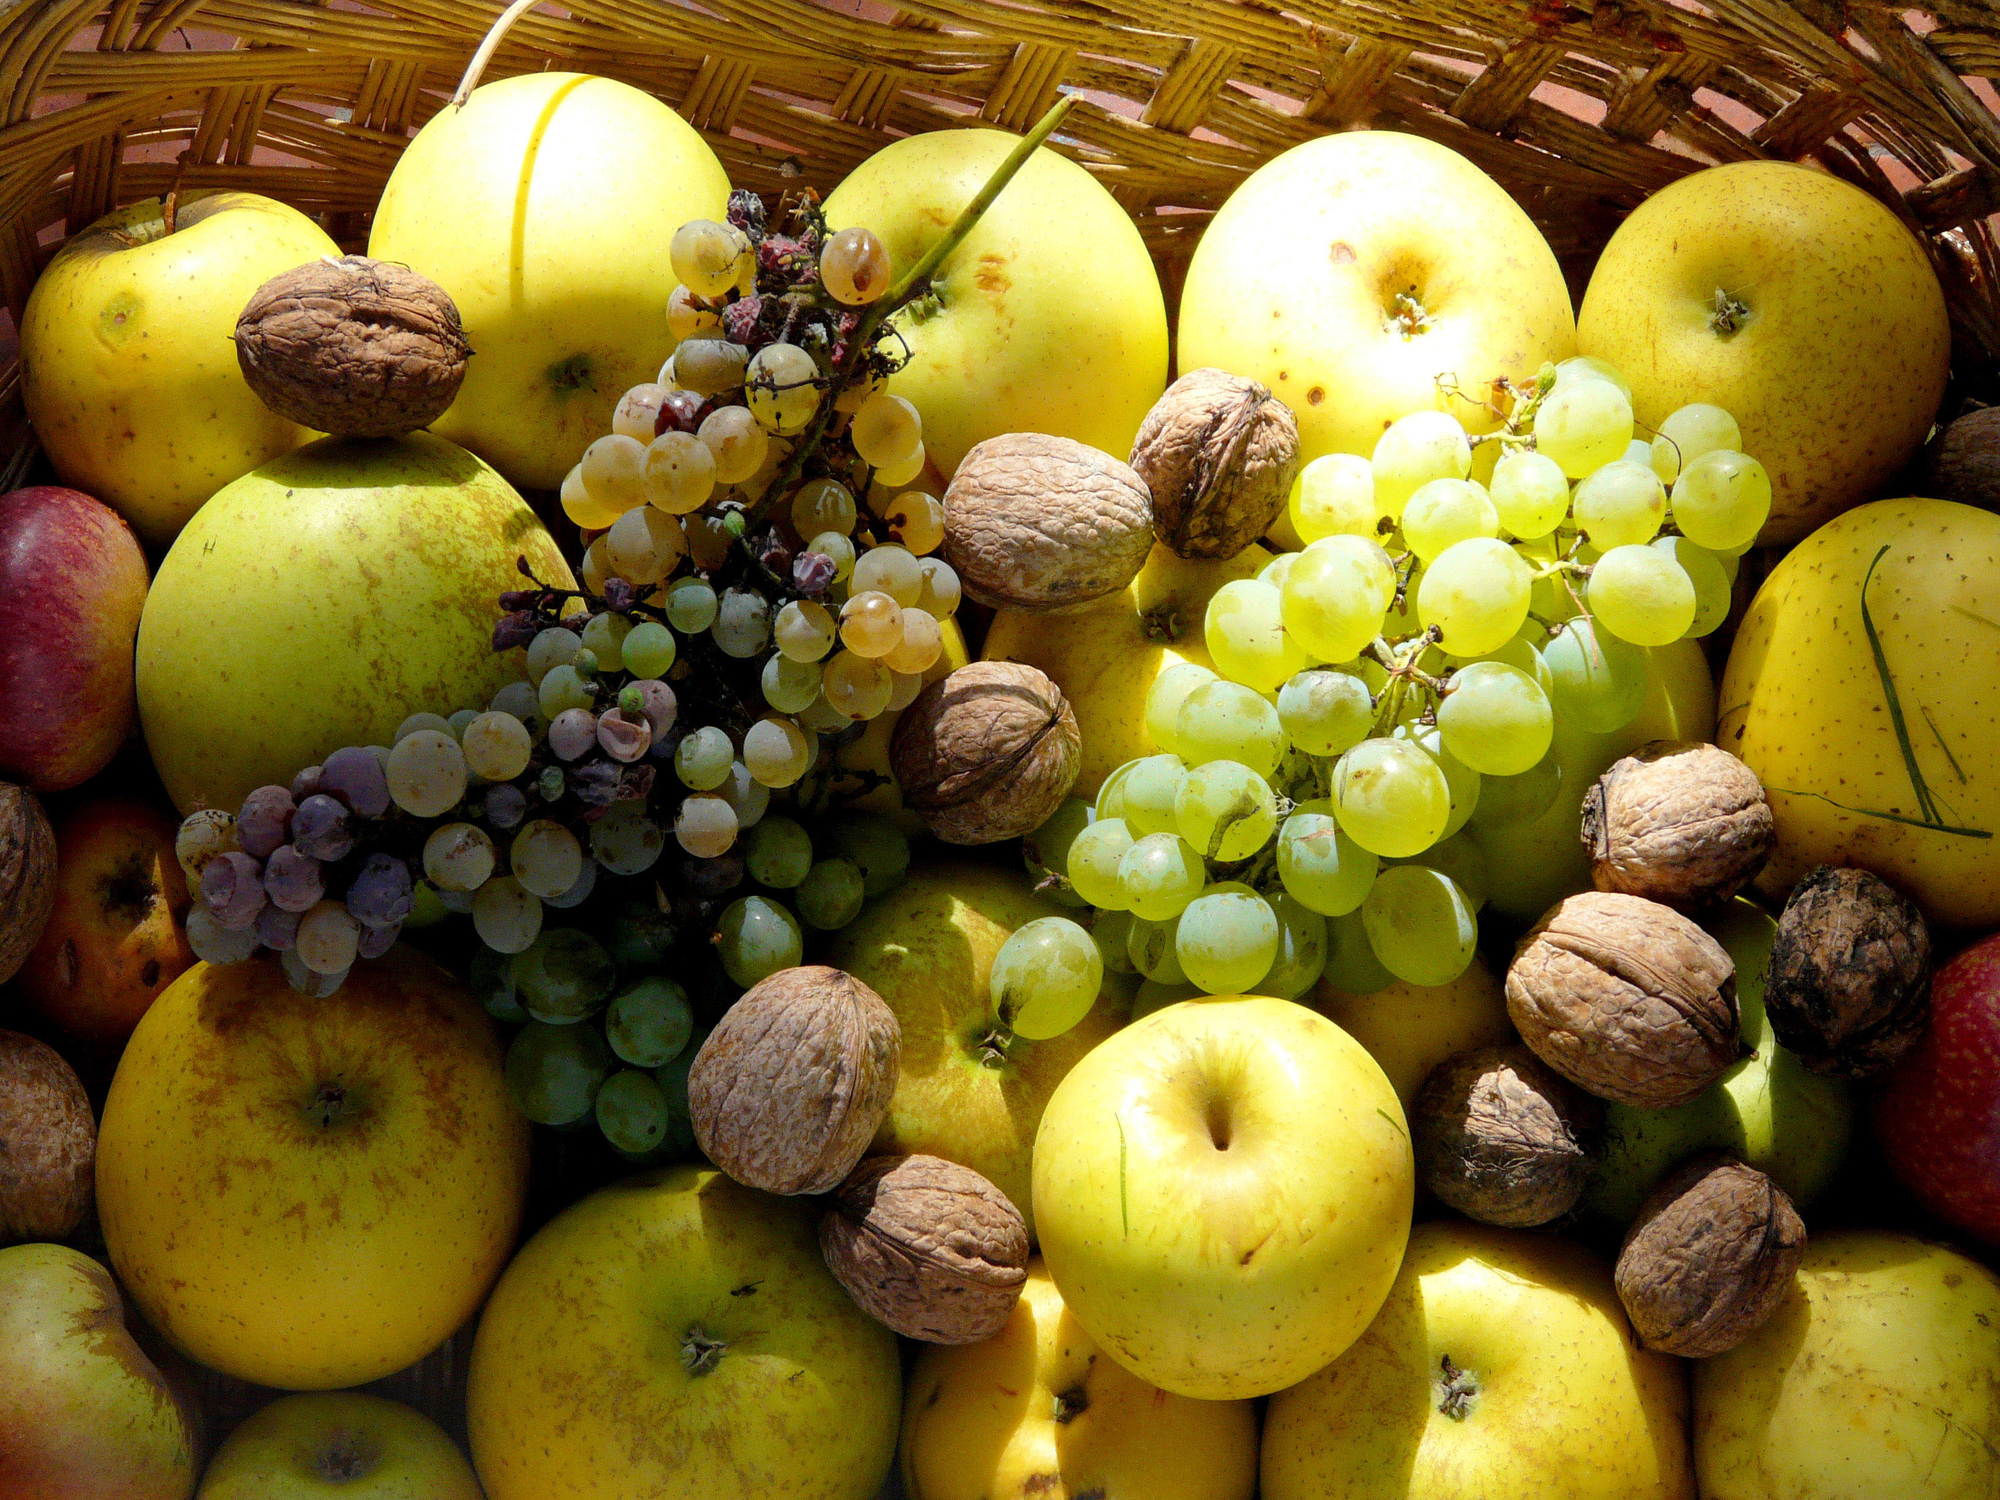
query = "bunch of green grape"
{"x": 1401, "y": 676}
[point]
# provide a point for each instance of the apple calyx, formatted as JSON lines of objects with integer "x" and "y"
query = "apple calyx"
{"x": 992, "y": 1045}
{"x": 1730, "y": 314}
{"x": 1163, "y": 621}
{"x": 1455, "y": 1390}
{"x": 1406, "y": 315}
{"x": 701, "y": 1351}
{"x": 1071, "y": 1404}
{"x": 348, "y": 1456}
{"x": 332, "y": 1104}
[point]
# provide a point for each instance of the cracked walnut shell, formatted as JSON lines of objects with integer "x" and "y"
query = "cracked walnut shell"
{"x": 987, "y": 753}
{"x": 1503, "y": 1138}
{"x": 928, "y": 1247}
{"x": 1218, "y": 453}
{"x": 27, "y": 875}
{"x": 48, "y": 1143}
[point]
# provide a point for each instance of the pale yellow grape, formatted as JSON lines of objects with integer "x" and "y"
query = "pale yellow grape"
{"x": 645, "y": 545}
{"x": 804, "y": 630}
{"x": 1476, "y": 593}
{"x": 563, "y": 688}
{"x": 1332, "y": 601}
{"x": 1640, "y": 451}
{"x": 702, "y": 759}
{"x": 1462, "y": 783}
{"x": 1589, "y": 366}
{"x": 1495, "y": 719}
{"x": 709, "y": 540}
{"x": 458, "y": 857}
{"x": 679, "y": 473}
{"x": 776, "y": 751}
{"x": 1390, "y": 797}
{"x": 746, "y": 795}
{"x": 545, "y": 857}
{"x": 506, "y": 915}
{"x": 1165, "y": 697}
{"x": 327, "y": 938}
{"x": 1413, "y": 450}
{"x": 203, "y": 835}
{"x": 1641, "y": 595}
{"x": 742, "y": 625}
{"x": 596, "y": 569}
{"x": 1530, "y": 493}
{"x": 426, "y": 772}
{"x": 916, "y": 520}
{"x": 626, "y": 841}
{"x": 1709, "y": 575}
{"x": 1334, "y": 494}
{"x": 1722, "y": 500}
{"x": 691, "y": 605}
{"x": 705, "y": 826}
{"x": 790, "y": 686}
{"x": 604, "y": 637}
{"x": 1244, "y": 629}
{"x": 822, "y": 717}
{"x": 835, "y": 544}
{"x": 1367, "y": 554}
{"x": 710, "y": 366}
{"x": 735, "y": 442}
{"x": 1620, "y": 505}
{"x": 637, "y": 414}
{"x": 782, "y": 388}
{"x": 1443, "y": 511}
{"x": 704, "y": 256}
{"x": 497, "y": 746}
{"x": 1420, "y": 925}
{"x": 891, "y": 570}
{"x": 614, "y": 472}
{"x": 1225, "y": 810}
{"x": 1229, "y": 721}
{"x": 419, "y": 721}
{"x": 856, "y": 686}
{"x": 823, "y": 505}
{"x": 921, "y": 646}
{"x": 1688, "y": 433}
{"x": 871, "y": 624}
{"x": 886, "y": 430}
{"x": 1583, "y": 424}
{"x": 941, "y": 591}
{"x": 578, "y": 505}
{"x": 555, "y": 646}
{"x": 855, "y": 267}
{"x": 904, "y": 687}
{"x": 852, "y": 395}
{"x": 688, "y": 319}
{"x": 1277, "y": 570}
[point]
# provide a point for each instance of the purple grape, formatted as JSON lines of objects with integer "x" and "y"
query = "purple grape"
{"x": 680, "y": 412}
{"x": 376, "y": 941}
{"x": 573, "y": 732}
{"x": 260, "y": 826}
{"x": 379, "y": 895}
{"x": 292, "y": 879}
{"x": 618, "y": 594}
{"x": 322, "y": 828}
{"x": 595, "y": 783}
{"x": 624, "y": 737}
{"x": 232, "y": 888}
{"x": 278, "y": 929}
{"x": 305, "y": 784}
{"x": 516, "y": 629}
{"x": 655, "y": 700}
{"x": 813, "y": 571}
{"x": 506, "y": 805}
{"x": 355, "y": 776}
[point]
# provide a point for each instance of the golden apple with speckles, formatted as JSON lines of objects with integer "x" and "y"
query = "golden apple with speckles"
{"x": 311, "y": 1193}
{"x": 338, "y": 1445}
{"x": 1795, "y": 302}
{"x": 321, "y": 600}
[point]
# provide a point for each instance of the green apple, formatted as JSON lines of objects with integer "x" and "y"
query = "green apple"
{"x": 1501, "y": 1365}
{"x": 678, "y": 1336}
{"x": 127, "y": 369}
{"x": 1767, "y": 1110}
{"x": 1223, "y": 1191}
{"x": 84, "y": 1414}
{"x": 322, "y": 599}
{"x": 338, "y": 1443}
{"x": 546, "y": 207}
{"x": 1794, "y": 301}
{"x": 968, "y": 1089}
{"x": 1873, "y": 1379}
{"x": 1360, "y": 274}
{"x": 1048, "y": 317}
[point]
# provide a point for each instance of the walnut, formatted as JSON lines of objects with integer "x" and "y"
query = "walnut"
{"x": 27, "y": 875}
{"x": 790, "y": 1086}
{"x": 353, "y": 346}
{"x": 987, "y": 753}
{"x": 1219, "y": 454}
{"x": 48, "y": 1143}
{"x": 1847, "y": 987}
{"x": 1625, "y": 998}
{"x": 1708, "y": 1258}
{"x": 1036, "y": 522}
{"x": 1502, "y": 1138}
{"x": 928, "y": 1247}
{"x": 1684, "y": 824}
{"x": 1962, "y": 462}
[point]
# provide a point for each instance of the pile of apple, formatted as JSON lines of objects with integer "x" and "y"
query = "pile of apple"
{"x": 216, "y": 1179}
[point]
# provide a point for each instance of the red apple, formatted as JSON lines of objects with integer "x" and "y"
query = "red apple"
{"x": 72, "y": 583}
{"x": 1938, "y": 1115}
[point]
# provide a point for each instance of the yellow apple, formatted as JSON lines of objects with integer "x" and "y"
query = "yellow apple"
{"x": 677, "y": 1336}
{"x": 311, "y": 1193}
{"x": 1038, "y": 1411}
{"x": 1873, "y": 1379}
{"x": 127, "y": 369}
{"x": 967, "y": 1089}
{"x": 320, "y": 601}
{"x": 546, "y": 207}
{"x": 1048, "y": 317}
{"x": 1104, "y": 655}
{"x": 1502, "y": 1364}
{"x": 1798, "y": 304}
{"x": 1362, "y": 276}
{"x": 1223, "y": 1190}
{"x": 344, "y": 1444}
{"x": 1878, "y": 749}
{"x": 1410, "y": 1028}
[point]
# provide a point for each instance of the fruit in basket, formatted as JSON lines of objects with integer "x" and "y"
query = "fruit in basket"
{"x": 1853, "y": 691}
{"x": 1077, "y": 1423}
{"x": 83, "y": 1411}
{"x": 347, "y": 1172}
{"x": 1366, "y": 275}
{"x": 524, "y": 206}
{"x": 1048, "y": 317}
{"x": 1874, "y": 1377}
{"x": 1222, "y": 1192}
{"x": 987, "y": 753}
{"x": 1218, "y": 454}
{"x": 48, "y": 1143}
{"x": 320, "y": 601}
{"x": 359, "y": 1446}
{"x": 126, "y": 371}
{"x": 114, "y": 939}
{"x": 676, "y": 1335}
{"x": 1935, "y": 1115}
{"x": 1796, "y": 302}
{"x": 967, "y": 1089}
{"x": 27, "y": 875}
{"x": 72, "y": 585}
{"x": 1500, "y": 1364}
{"x": 1409, "y": 1029}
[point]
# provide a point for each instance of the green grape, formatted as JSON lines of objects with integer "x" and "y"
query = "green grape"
{"x": 790, "y": 686}
{"x": 649, "y": 1023}
{"x": 778, "y": 852}
{"x": 691, "y": 605}
{"x": 642, "y": 936}
{"x": 1325, "y": 712}
{"x": 1530, "y": 493}
{"x": 1521, "y": 652}
{"x": 1590, "y": 365}
{"x": 1462, "y": 783}
{"x": 831, "y": 894}
{"x": 1301, "y": 950}
{"x": 1158, "y": 995}
{"x": 1227, "y": 939}
{"x": 1476, "y": 593}
{"x": 1420, "y": 925}
{"x": 673, "y": 1082}
{"x": 563, "y": 688}
{"x": 756, "y": 938}
{"x": 632, "y": 1113}
{"x": 1412, "y": 451}
{"x": 1045, "y": 851}
{"x": 1112, "y": 932}
{"x": 1226, "y": 811}
{"x": 1711, "y": 574}
{"x": 1505, "y": 800}
{"x": 1600, "y": 680}
{"x": 1496, "y": 719}
{"x": 1244, "y": 630}
{"x": 554, "y": 1072}
{"x": 1336, "y": 595}
{"x": 1334, "y": 495}
{"x": 1228, "y": 721}
{"x": 1111, "y": 792}
{"x": 1094, "y": 856}
{"x": 1583, "y": 424}
{"x": 1045, "y": 978}
{"x": 1391, "y": 797}
{"x": 492, "y": 983}
{"x": 1147, "y": 793}
{"x": 1351, "y": 965}
{"x": 1722, "y": 500}
{"x": 876, "y": 847}
{"x": 563, "y": 976}
{"x": 1446, "y": 511}
{"x": 605, "y": 635}
{"x": 1688, "y": 433}
{"x": 1620, "y": 505}
{"x": 1151, "y": 948}
{"x": 1164, "y": 699}
{"x": 1461, "y": 859}
{"x": 1277, "y": 570}
{"x": 1641, "y": 595}
{"x": 1159, "y": 875}
{"x": 1322, "y": 868}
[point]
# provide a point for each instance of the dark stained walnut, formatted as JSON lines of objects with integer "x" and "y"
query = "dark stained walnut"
{"x": 48, "y": 1143}
{"x": 1503, "y": 1138}
{"x": 1848, "y": 989}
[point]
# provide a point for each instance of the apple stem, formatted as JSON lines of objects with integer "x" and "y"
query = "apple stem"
{"x": 488, "y": 45}
{"x": 1730, "y": 313}
{"x": 1455, "y": 1390}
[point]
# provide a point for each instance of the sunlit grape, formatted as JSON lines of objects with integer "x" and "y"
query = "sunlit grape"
{"x": 854, "y": 266}
{"x": 885, "y": 430}
{"x": 1641, "y": 595}
{"x": 1244, "y": 629}
{"x": 1443, "y": 511}
{"x": 1583, "y": 424}
{"x": 1227, "y": 938}
{"x": 1334, "y": 494}
{"x": 823, "y": 505}
{"x": 679, "y": 474}
{"x": 1045, "y": 978}
{"x": 782, "y": 383}
{"x": 737, "y": 445}
{"x": 1413, "y": 450}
